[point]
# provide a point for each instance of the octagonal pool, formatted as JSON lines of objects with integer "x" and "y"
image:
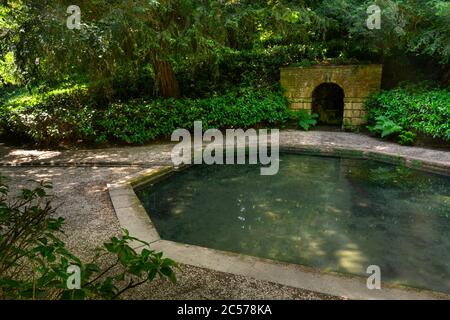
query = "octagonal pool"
{"x": 334, "y": 214}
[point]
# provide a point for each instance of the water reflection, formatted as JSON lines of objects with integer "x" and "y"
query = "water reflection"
{"x": 331, "y": 213}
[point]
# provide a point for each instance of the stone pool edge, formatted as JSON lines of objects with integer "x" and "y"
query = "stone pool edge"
{"x": 133, "y": 217}
{"x": 438, "y": 167}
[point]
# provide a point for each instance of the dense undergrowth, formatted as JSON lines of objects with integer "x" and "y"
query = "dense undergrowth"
{"x": 74, "y": 114}
{"x": 71, "y": 115}
{"x": 402, "y": 113}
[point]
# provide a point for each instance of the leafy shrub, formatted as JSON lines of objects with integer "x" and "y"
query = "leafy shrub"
{"x": 34, "y": 261}
{"x": 74, "y": 116}
{"x": 305, "y": 120}
{"x": 407, "y": 138}
{"x": 46, "y": 118}
{"x": 387, "y": 128}
{"x": 141, "y": 121}
{"x": 8, "y": 70}
{"x": 421, "y": 110}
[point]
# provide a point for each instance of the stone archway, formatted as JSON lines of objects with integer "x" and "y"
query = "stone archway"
{"x": 356, "y": 81}
{"x": 328, "y": 103}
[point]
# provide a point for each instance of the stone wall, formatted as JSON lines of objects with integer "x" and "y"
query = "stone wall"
{"x": 357, "y": 81}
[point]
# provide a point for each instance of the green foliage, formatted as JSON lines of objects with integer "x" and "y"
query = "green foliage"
{"x": 419, "y": 27}
{"x": 230, "y": 69}
{"x": 385, "y": 127}
{"x": 425, "y": 111}
{"x": 72, "y": 116}
{"x": 407, "y": 138}
{"x": 46, "y": 117}
{"x": 8, "y": 70}
{"x": 117, "y": 39}
{"x": 34, "y": 261}
{"x": 129, "y": 49}
{"x": 142, "y": 121}
{"x": 121, "y": 39}
{"x": 304, "y": 119}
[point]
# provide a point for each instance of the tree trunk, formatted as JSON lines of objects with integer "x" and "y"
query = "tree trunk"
{"x": 166, "y": 80}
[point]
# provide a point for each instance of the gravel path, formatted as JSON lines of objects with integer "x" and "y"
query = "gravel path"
{"x": 90, "y": 218}
{"x": 159, "y": 153}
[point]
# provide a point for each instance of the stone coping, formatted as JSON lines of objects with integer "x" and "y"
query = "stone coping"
{"x": 352, "y": 65}
{"x": 133, "y": 217}
{"x": 382, "y": 156}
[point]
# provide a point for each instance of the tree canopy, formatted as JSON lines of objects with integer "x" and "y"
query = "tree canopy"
{"x": 122, "y": 39}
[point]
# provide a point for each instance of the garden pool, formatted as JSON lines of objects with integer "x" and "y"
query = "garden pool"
{"x": 334, "y": 214}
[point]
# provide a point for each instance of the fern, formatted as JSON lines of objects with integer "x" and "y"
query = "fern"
{"x": 386, "y": 127}
{"x": 306, "y": 120}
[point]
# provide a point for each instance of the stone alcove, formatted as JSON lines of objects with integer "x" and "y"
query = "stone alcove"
{"x": 336, "y": 92}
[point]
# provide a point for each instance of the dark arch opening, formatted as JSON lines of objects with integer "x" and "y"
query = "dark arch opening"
{"x": 328, "y": 103}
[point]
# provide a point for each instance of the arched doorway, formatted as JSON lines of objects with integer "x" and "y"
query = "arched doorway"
{"x": 328, "y": 103}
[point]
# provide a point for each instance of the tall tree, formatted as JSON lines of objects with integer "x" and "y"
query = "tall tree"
{"x": 120, "y": 38}
{"x": 116, "y": 37}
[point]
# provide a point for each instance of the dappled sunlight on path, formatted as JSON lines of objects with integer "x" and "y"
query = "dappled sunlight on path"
{"x": 159, "y": 153}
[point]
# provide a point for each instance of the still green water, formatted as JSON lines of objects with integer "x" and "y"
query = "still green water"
{"x": 335, "y": 214}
